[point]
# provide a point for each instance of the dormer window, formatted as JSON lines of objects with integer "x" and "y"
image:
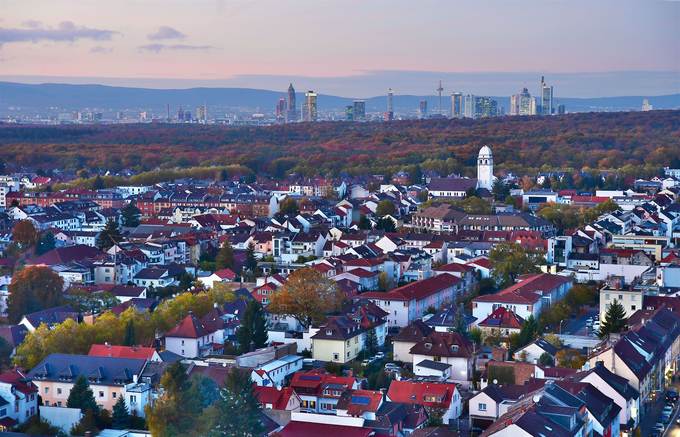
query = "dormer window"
{"x": 329, "y": 332}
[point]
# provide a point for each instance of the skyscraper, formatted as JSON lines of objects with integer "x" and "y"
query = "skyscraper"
{"x": 349, "y": 112}
{"x": 422, "y": 109}
{"x": 359, "y": 110}
{"x": 520, "y": 104}
{"x": 486, "y": 107}
{"x": 202, "y": 114}
{"x": 480, "y": 107}
{"x": 470, "y": 106}
{"x": 389, "y": 115}
{"x": 457, "y": 105}
{"x": 291, "y": 112}
{"x": 310, "y": 110}
{"x": 546, "y": 98}
{"x": 281, "y": 110}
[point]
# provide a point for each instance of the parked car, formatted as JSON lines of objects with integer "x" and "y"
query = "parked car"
{"x": 391, "y": 366}
{"x": 671, "y": 395}
{"x": 658, "y": 426}
{"x": 365, "y": 363}
{"x": 380, "y": 355}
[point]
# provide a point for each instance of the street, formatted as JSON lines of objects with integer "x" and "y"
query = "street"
{"x": 577, "y": 325}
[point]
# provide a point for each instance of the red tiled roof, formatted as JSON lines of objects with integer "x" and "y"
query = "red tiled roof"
{"x": 364, "y": 262}
{"x": 226, "y": 274}
{"x": 416, "y": 290}
{"x": 278, "y": 399}
{"x": 502, "y": 317}
{"x": 64, "y": 255}
{"x": 454, "y": 267}
{"x": 527, "y": 291}
{"x": 428, "y": 394}
{"x": 314, "y": 380}
{"x": 189, "y": 327}
{"x": 309, "y": 429}
{"x": 357, "y": 402}
{"x": 107, "y": 350}
{"x": 18, "y": 381}
{"x": 482, "y": 262}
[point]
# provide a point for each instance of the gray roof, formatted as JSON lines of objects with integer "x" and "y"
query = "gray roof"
{"x": 98, "y": 370}
{"x": 436, "y": 365}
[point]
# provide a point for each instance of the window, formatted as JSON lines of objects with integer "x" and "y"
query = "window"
{"x": 3, "y": 412}
{"x": 101, "y": 394}
{"x": 437, "y": 359}
{"x": 47, "y": 390}
{"x": 632, "y": 307}
{"x": 481, "y": 407}
{"x": 58, "y": 403}
{"x": 133, "y": 399}
{"x": 336, "y": 357}
{"x": 182, "y": 342}
{"x": 58, "y": 391}
{"x": 620, "y": 297}
{"x": 114, "y": 394}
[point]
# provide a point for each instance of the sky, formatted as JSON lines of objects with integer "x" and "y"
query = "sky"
{"x": 348, "y": 47}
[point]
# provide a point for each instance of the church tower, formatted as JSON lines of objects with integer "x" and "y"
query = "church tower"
{"x": 485, "y": 168}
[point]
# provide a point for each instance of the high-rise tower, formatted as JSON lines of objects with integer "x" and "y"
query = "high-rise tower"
{"x": 546, "y": 98}
{"x": 291, "y": 113}
{"x": 457, "y": 105}
{"x": 389, "y": 115}
{"x": 310, "y": 111}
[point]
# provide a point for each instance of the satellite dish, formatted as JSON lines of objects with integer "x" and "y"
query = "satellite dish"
{"x": 495, "y": 381}
{"x": 536, "y": 398}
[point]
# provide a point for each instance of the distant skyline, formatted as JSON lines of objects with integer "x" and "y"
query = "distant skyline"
{"x": 348, "y": 47}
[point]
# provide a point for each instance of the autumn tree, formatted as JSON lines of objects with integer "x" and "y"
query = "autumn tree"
{"x": 510, "y": 260}
{"x": 181, "y": 408}
{"x": 385, "y": 207}
{"x": 109, "y": 236}
{"x": 24, "y": 234}
{"x": 33, "y": 289}
{"x": 307, "y": 296}
{"x": 289, "y": 206}
{"x": 225, "y": 257}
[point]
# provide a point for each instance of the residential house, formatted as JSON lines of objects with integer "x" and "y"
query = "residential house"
{"x": 109, "y": 379}
{"x": 191, "y": 338}
{"x": 343, "y": 337}
{"x": 407, "y": 337}
{"x": 527, "y": 297}
{"x": 18, "y": 398}
{"x": 410, "y": 302}
{"x": 444, "y": 348}
{"x": 435, "y": 397}
{"x": 50, "y": 316}
{"x": 320, "y": 391}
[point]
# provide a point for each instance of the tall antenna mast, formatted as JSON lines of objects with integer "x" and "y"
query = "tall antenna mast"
{"x": 439, "y": 90}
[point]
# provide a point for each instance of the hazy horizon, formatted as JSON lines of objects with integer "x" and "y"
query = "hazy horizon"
{"x": 351, "y": 47}
{"x": 371, "y": 84}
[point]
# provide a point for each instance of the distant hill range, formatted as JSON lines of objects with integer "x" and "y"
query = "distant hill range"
{"x": 111, "y": 98}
